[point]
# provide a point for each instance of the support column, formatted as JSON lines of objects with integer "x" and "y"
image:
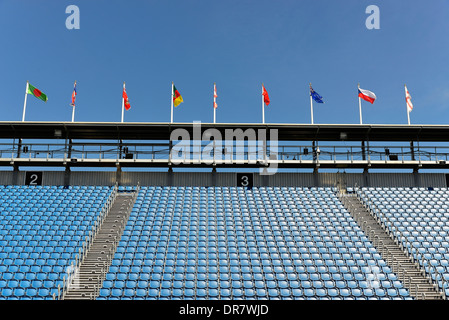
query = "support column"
{"x": 67, "y": 175}
{"x": 315, "y": 154}
{"x": 265, "y": 180}
{"x": 118, "y": 175}
{"x": 15, "y": 175}
{"x": 170, "y": 169}
{"x": 363, "y": 150}
{"x": 316, "y": 177}
{"x": 214, "y": 177}
{"x": 170, "y": 177}
{"x": 412, "y": 150}
{"x": 366, "y": 178}
{"x": 19, "y": 148}
{"x": 416, "y": 177}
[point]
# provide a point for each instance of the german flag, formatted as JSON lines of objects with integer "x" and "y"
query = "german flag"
{"x": 177, "y": 98}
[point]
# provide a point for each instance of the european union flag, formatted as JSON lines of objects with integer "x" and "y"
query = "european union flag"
{"x": 316, "y": 96}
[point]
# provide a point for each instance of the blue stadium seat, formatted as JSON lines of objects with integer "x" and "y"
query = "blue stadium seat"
{"x": 35, "y": 251}
{"x": 234, "y": 243}
{"x": 418, "y": 216}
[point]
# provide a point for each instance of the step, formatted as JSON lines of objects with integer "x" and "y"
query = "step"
{"x": 86, "y": 281}
{"x": 388, "y": 248}
{"x": 93, "y": 268}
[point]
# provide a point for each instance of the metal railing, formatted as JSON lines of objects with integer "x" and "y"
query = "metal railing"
{"x": 110, "y": 255}
{"x": 79, "y": 258}
{"x": 403, "y": 242}
{"x": 380, "y": 245}
{"x": 225, "y": 150}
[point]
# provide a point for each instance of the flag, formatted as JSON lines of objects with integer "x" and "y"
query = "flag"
{"x": 316, "y": 96}
{"x": 125, "y": 99}
{"x": 177, "y": 98}
{"x": 367, "y": 95}
{"x": 266, "y": 98}
{"x": 408, "y": 99}
{"x": 37, "y": 93}
{"x": 215, "y": 96}
{"x": 73, "y": 95}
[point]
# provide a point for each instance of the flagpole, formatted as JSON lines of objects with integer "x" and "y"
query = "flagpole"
{"x": 406, "y": 104}
{"x": 360, "y": 105}
{"x": 311, "y": 102}
{"x": 171, "y": 99}
{"x": 123, "y": 102}
{"x": 25, "y": 102}
{"x": 73, "y": 108}
{"x": 263, "y": 107}
{"x": 215, "y": 109}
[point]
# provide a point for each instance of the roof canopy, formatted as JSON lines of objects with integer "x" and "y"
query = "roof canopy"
{"x": 162, "y": 131}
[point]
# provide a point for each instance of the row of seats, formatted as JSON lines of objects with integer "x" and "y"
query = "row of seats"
{"x": 221, "y": 242}
{"x": 42, "y": 229}
{"x": 248, "y": 294}
{"x": 231, "y": 243}
{"x": 419, "y": 220}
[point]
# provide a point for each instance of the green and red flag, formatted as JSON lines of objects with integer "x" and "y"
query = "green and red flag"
{"x": 177, "y": 98}
{"x": 37, "y": 93}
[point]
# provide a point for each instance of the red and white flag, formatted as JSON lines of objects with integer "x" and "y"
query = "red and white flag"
{"x": 215, "y": 97}
{"x": 125, "y": 98}
{"x": 367, "y": 95}
{"x": 408, "y": 99}
{"x": 266, "y": 98}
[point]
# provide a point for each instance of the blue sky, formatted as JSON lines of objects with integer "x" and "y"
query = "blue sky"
{"x": 236, "y": 43}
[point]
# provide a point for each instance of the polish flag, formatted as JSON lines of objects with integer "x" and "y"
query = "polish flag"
{"x": 367, "y": 95}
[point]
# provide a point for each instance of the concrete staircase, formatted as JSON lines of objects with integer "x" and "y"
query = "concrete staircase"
{"x": 413, "y": 277}
{"x": 86, "y": 281}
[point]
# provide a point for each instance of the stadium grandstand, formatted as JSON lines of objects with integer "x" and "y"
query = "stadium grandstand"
{"x": 152, "y": 211}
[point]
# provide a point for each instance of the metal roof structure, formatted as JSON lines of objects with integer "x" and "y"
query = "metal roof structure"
{"x": 162, "y": 131}
{"x": 148, "y": 144}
